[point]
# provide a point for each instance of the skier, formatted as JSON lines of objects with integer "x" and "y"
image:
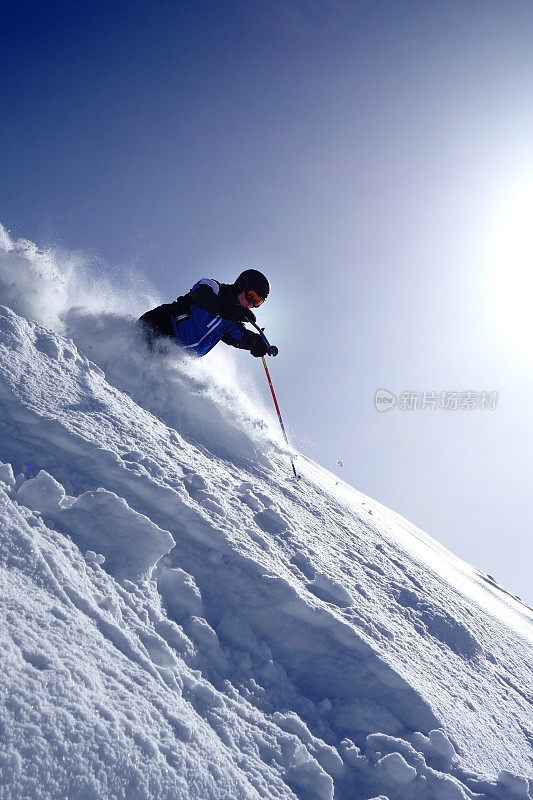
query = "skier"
{"x": 212, "y": 312}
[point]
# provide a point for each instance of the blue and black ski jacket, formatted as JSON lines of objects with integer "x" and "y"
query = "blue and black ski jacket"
{"x": 208, "y": 314}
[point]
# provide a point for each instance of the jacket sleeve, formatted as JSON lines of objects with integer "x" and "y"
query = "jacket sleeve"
{"x": 241, "y": 337}
{"x": 224, "y": 304}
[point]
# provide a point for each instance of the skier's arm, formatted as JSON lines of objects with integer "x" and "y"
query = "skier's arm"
{"x": 239, "y": 336}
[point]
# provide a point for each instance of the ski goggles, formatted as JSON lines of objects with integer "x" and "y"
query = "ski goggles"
{"x": 253, "y": 298}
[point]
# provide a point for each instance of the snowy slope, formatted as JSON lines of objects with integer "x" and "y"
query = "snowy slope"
{"x": 181, "y": 620}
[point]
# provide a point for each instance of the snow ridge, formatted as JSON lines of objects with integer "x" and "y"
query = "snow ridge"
{"x": 181, "y": 620}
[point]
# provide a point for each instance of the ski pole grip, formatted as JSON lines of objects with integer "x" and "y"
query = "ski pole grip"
{"x": 261, "y": 334}
{"x": 272, "y": 349}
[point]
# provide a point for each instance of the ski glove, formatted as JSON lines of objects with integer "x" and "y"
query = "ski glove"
{"x": 258, "y": 347}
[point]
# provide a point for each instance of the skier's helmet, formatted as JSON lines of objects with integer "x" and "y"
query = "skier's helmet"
{"x": 255, "y": 281}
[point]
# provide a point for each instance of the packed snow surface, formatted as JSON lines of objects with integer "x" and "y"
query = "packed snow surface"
{"x": 181, "y": 619}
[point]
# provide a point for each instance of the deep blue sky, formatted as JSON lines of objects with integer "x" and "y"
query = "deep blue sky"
{"x": 371, "y": 157}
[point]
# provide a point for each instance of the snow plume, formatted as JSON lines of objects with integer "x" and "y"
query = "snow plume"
{"x": 180, "y": 620}
{"x": 44, "y": 284}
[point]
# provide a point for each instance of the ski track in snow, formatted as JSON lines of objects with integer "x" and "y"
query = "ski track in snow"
{"x": 180, "y": 619}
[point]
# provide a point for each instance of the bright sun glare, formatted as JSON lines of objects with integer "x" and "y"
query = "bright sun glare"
{"x": 512, "y": 273}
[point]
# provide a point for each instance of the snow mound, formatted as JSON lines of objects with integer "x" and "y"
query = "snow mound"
{"x": 130, "y": 543}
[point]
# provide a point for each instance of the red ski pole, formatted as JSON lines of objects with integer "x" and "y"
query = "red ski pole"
{"x": 269, "y": 379}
